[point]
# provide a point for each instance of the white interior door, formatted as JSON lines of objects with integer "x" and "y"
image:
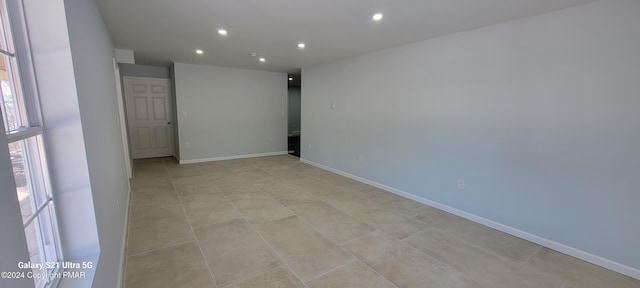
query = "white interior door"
{"x": 149, "y": 116}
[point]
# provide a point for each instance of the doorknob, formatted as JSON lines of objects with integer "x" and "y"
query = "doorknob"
{"x": 168, "y": 123}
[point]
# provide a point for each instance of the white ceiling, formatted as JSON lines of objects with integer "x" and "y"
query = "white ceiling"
{"x": 165, "y": 31}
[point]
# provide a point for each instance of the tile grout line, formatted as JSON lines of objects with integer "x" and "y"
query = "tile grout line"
{"x": 204, "y": 258}
{"x": 263, "y": 239}
{"x": 357, "y": 218}
{"x": 131, "y": 210}
{"x": 474, "y": 245}
{"x": 173, "y": 184}
{"x": 193, "y": 233}
{"x": 423, "y": 253}
{"x": 345, "y": 250}
{"x": 381, "y": 205}
{"x": 334, "y": 185}
{"x": 292, "y": 205}
{"x": 488, "y": 250}
{"x": 380, "y": 208}
{"x": 355, "y": 259}
{"x": 442, "y": 262}
{"x": 164, "y": 170}
{"x": 254, "y": 276}
{"x": 331, "y": 204}
{"x": 156, "y": 249}
{"x": 422, "y": 230}
{"x": 547, "y": 274}
{"x": 156, "y": 207}
{"x": 279, "y": 256}
{"x": 313, "y": 227}
{"x": 270, "y": 247}
{"x": 532, "y": 254}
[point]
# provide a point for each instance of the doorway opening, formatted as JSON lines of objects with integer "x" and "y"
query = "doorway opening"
{"x": 294, "y": 101}
{"x": 149, "y": 116}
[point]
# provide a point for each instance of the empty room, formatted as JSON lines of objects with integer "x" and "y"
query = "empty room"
{"x": 316, "y": 144}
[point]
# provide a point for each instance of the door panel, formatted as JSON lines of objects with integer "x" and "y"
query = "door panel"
{"x": 159, "y": 112}
{"x": 139, "y": 88}
{"x": 157, "y": 89}
{"x": 161, "y": 137}
{"x": 144, "y": 137}
{"x": 149, "y": 117}
{"x": 142, "y": 109}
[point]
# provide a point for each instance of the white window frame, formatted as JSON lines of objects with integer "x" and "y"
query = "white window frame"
{"x": 19, "y": 67}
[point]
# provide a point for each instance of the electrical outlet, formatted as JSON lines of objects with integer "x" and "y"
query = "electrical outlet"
{"x": 186, "y": 145}
{"x": 461, "y": 184}
{"x": 118, "y": 207}
{"x": 270, "y": 139}
{"x": 361, "y": 158}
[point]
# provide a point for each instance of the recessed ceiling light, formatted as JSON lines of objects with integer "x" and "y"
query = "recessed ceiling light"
{"x": 198, "y": 51}
{"x": 262, "y": 59}
{"x": 377, "y": 17}
{"x": 222, "y": 32}
{"x": 301, "y": 45}
{"x": 290, "y": 78}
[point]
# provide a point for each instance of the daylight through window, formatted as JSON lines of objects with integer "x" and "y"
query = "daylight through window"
{"x": 22, "y": 124}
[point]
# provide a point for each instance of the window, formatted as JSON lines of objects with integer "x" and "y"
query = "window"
{"x": 22, "y": 124}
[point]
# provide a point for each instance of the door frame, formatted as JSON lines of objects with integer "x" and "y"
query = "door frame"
{"x": 170, "y": 113}
{"x": 122, "y": 120}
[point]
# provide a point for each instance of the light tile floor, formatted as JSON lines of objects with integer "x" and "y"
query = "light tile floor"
{"x": 277, "y": 222}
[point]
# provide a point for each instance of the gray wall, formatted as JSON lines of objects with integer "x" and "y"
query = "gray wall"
{"x": 92, "y": 53}
{"x": 539, "y": 116}
{"x": 229, "y": 112}
{"x": 294, "y": 108}
{"x": 135, "y": 70}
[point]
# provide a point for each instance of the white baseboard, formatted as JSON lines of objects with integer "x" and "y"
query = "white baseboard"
{"x": 232, "y": 157}
{"x": 125, "y": 236}
{"x": 597, "y": 260}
